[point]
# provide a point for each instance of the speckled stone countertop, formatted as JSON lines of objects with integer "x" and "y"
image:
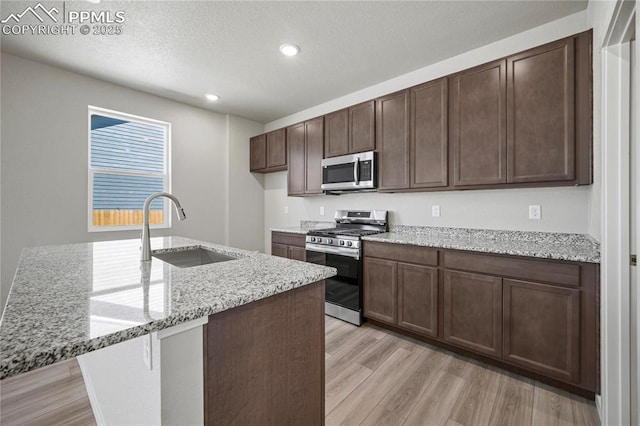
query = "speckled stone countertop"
{"x": 305, "y": 226}
{"x": 71, "y": 299}
{"x": 546, "y": 245}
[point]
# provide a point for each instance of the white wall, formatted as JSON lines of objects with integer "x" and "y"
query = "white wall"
{"x": 44, "y": 161}
{"x": 569, "y": 209}
{"x": 246, "y": 190}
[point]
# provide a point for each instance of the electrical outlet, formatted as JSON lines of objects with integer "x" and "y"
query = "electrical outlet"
{"x": 435, "y": 211}
{"x": 535, "y": 212}
{"x": 321, "y": 210}
{"x": 146, "y": 350}
{"x": 286, "y": 209}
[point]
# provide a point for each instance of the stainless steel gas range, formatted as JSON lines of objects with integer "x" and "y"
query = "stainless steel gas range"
{"x": 341, "y": 248}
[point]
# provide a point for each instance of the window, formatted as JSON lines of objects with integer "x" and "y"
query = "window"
{"x": 128, "y": 161}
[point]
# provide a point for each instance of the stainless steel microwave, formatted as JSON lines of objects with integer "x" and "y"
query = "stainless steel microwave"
{"x": 349, "y": 172}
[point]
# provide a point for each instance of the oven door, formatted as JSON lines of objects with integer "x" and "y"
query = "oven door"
{"x": 344, "y": 291}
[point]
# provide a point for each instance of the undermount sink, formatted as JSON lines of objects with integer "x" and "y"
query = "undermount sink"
{"x": 194, "y": 256}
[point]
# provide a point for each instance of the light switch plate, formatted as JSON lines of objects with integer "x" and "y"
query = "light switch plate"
{"x": 286, "y": 209}
{"x": 321, "y": 210}
{"x": 535, "y": 212}
{"x": 435, "y": 211}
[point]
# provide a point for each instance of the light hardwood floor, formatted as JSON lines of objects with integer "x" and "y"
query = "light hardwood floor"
{"x": 53, "y": 395}
{"x": 373, "y": 377}
{"x": 376, "y": 377}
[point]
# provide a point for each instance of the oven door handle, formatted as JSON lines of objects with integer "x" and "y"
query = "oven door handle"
{"x": 333, "y": 250}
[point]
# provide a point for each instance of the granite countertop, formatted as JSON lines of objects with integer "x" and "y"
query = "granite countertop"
{"x": 304, "y": 227}
{"x": 545, "y": 245}
{"x": 71, "y": 299}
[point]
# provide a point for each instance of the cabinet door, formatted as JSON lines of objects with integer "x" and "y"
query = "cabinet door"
{"x": 392, "y": 140}
{"x": 297, "y": 253}
{"x": 276, "y": 149}
{"x": 473, "y": 312}
{"x": 314, "y": 140}
{"x": 541, "y": 121}
{"x": 429, "y": 135}
{"x": 542, "y": 328}
{"x": 336, "y": 133}
{"x": 295, "y": 159}
{"x": 380, "y": 289}
{"x": 418, "y": 299}
{"x": 258, "y": 152}
{"x": 478, "y": 125}
{"x": 280, "y": 250}
{"x": 362, "y": 130}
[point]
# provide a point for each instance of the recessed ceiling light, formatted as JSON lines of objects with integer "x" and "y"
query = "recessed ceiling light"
{"x": 289, "y": 49}
{"x": 94, "y": 1}
{"x": 211, "y": 96}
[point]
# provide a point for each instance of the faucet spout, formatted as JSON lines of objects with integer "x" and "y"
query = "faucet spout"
{"x": 145, "y": 254}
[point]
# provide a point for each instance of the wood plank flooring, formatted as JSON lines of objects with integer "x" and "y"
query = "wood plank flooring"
{"x": 52, "y": 395}
{"x": 373, "y": 377}
{"x": 377, "y": 377}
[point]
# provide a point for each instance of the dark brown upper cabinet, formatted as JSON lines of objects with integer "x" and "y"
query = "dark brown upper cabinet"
{"x": 336, "y": 133}
{"x": 268, "y": 152}
{"x": 277, "y": 150}
{"x": 392, "y": 141}
{"x": 296, "y": 159}
{"x": 429, "y": 134}
{"x": 478, "y": 125}
{"x": 350, "y": 130}
{"x": 314, "y": 144}
{"x": 258, "y": 153}
{"x": 541, "y": 117}
{"x": 304, "y": 156}
{"x": 520, "y": 121}
{"x": 362, "y": 127}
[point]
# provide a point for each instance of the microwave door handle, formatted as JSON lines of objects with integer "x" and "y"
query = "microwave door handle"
{"x": 356, "y": 171}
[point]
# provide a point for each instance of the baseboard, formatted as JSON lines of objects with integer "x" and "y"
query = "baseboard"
{"x": 93, "y": 400}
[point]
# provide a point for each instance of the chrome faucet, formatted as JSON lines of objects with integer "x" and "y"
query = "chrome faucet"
{"x": 146, "y": 243}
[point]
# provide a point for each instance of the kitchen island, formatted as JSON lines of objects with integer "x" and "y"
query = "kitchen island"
{"x": 96, "y": 301}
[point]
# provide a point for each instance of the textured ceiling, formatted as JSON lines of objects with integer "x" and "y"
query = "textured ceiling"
{"x": 182, "y": 49}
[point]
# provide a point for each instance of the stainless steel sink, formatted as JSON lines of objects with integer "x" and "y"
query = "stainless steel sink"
{"x": 192, "y": 257}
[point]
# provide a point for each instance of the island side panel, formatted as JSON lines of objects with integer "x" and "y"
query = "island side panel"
{"x": 264, "y": 362}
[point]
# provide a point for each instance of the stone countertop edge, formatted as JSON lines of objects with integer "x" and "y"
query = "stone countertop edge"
{"x": 543, "y": 245}
{"x": 20, "y": 350}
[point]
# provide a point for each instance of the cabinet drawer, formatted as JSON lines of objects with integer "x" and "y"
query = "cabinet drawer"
{"x": 288, "y": 239}
{"x": 402, "y": 253}
{"x": 536, "y": 270}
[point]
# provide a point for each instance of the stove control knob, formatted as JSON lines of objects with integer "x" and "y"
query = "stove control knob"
{"x": 330, "y": 241}
{"x": 319, "y": 240}
{"x": 341, "y": 242}
{"x": 349, "y": 243}
{"x": 313, "y": 239}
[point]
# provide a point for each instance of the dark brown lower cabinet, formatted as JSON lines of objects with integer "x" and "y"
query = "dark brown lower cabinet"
{"x": 291, "y": 246}
{"x": 535, "y": 316}
{"x": 418, "y": 299}
{"x": 264, "y": 362}
{"x": 402, "y": 294}
{"x": 473, "y": 312}
{"x": 297, "y": 253}
{"x": 380, "y": 289}
{"x": 542, "y": 328}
